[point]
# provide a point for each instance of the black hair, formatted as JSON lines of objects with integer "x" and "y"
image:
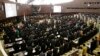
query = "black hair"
{"x": 83, "y": 44}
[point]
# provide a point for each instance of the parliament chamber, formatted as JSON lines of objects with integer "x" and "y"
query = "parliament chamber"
{"x": 48, "y": 29}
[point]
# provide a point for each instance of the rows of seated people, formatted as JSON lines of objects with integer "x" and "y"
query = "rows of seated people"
{"x": 89, "y": 32}
{"x": 48, "y": 39}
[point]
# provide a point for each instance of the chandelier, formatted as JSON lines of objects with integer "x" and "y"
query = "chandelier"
{"x": 49, "y": 2}
{"x": 42, "y": 2}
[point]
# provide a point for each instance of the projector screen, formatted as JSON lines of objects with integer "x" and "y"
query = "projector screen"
{"x": 56, "y": 9}
{"x": 10, "y": 10}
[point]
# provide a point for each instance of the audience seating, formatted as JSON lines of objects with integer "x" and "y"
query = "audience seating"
{"x": 52, "y": 39}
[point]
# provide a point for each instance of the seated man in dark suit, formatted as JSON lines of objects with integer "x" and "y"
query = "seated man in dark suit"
{"x": 93, "y": 45}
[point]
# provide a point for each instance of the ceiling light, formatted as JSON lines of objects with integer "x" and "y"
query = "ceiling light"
{"x": 41, "y": 2}
{"x": 12, "y": 0}
{"x": 49, "y": 2}
{"x": 22, "y": 1}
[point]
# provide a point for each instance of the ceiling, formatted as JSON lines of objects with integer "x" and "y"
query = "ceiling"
{"x": 75, "y": 3}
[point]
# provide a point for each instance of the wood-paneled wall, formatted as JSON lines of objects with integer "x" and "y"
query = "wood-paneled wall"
{"x": 27, "y": 9}
{"x": 2, "y": 12}
{"x": 24, "y": 9}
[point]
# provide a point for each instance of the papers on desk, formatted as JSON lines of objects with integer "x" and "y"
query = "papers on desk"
{"x": 25, "y": 53}
{"x": 58, "y": 36}
{"x": 76, "y": 41}
{"x": 47, "y": 29}
{"x": 88, "y": 46}
{"x": 65, "y": 38}
{"x": 20, "y": 48}
{"x": 18, "y": 39}
{"x": 20, "y": 42}
{"x": 58, "y": 50}
{"x": 33, "y": 51}
{"x": 11, "y": 49}
{"x": 9, "y": 45}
